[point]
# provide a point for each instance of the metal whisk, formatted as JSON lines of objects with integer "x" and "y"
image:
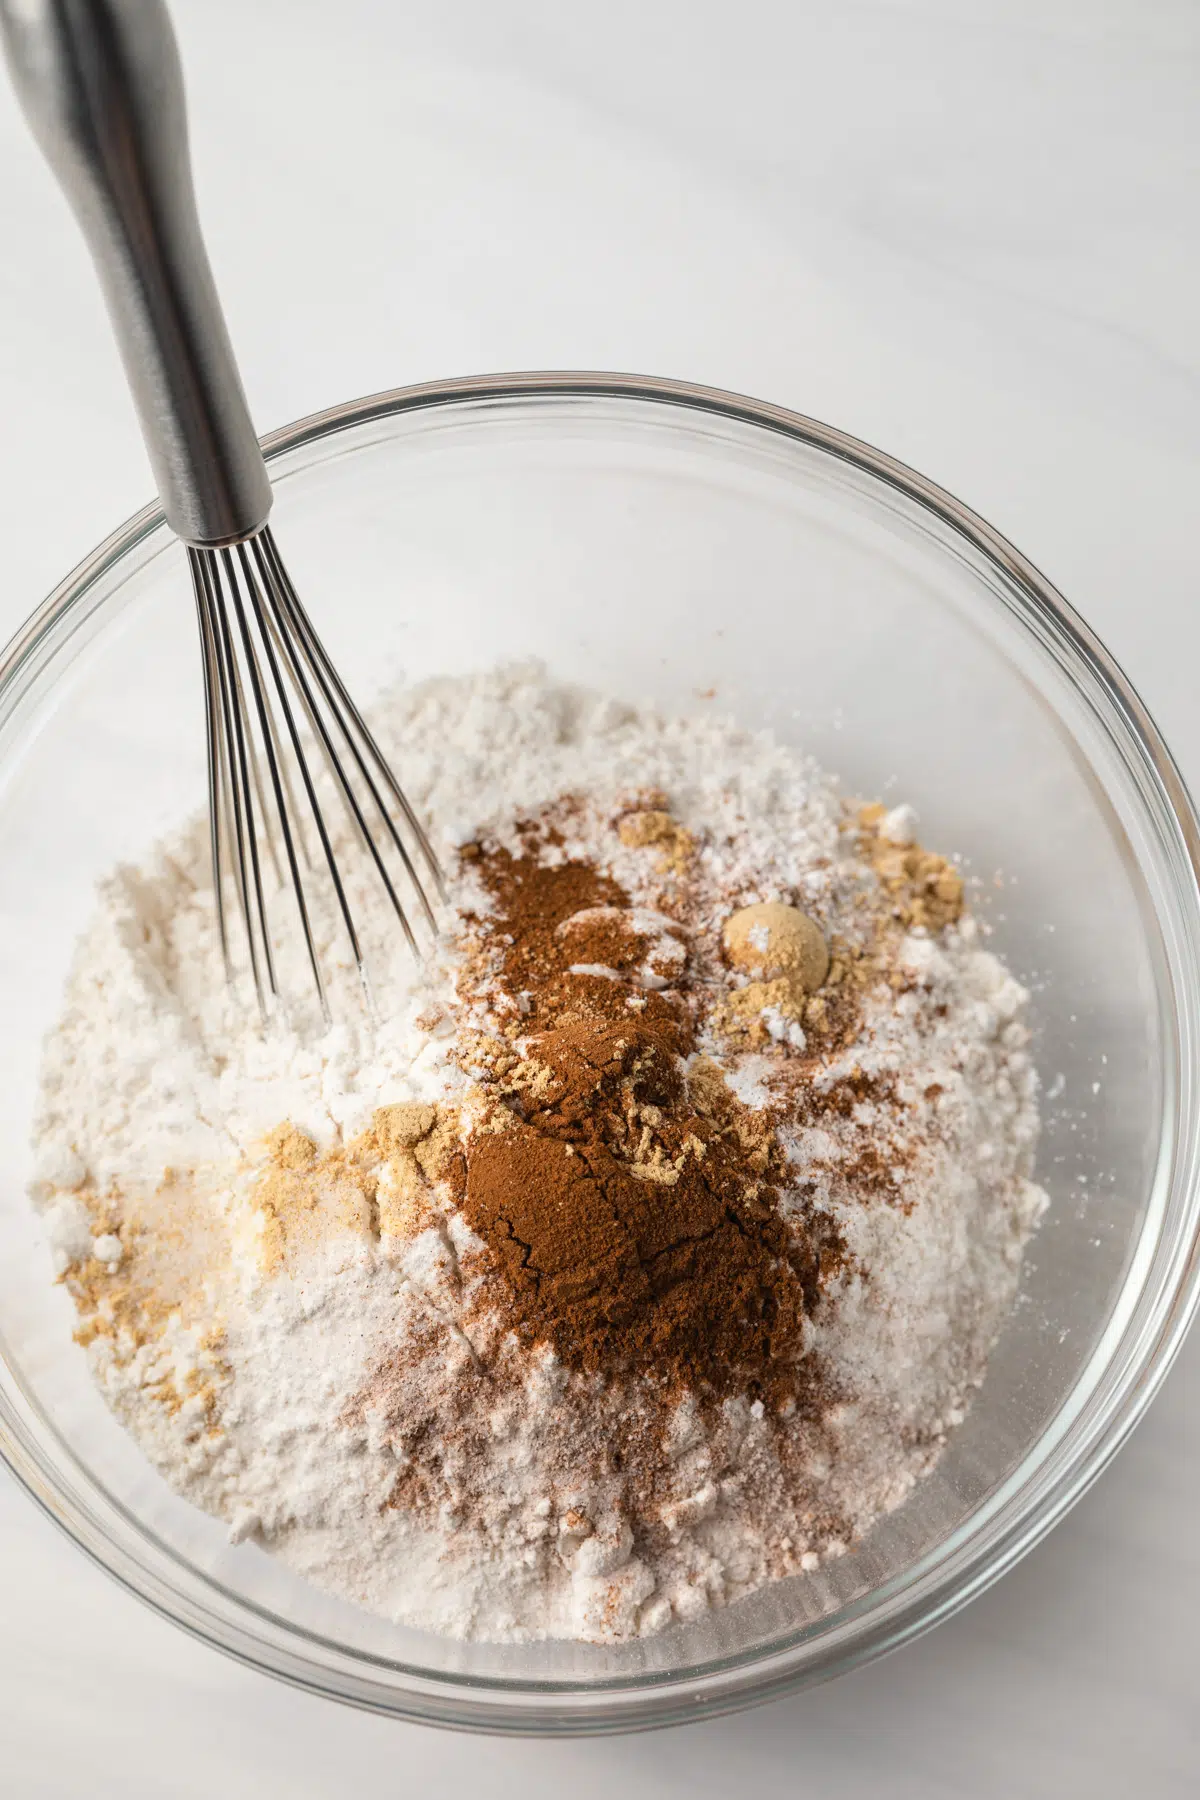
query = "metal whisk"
{"x": 101, "y": 86}
{"x": 266, "y": 677}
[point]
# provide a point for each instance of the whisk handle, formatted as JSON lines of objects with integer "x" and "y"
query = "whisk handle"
{"x": 101, "y": 86}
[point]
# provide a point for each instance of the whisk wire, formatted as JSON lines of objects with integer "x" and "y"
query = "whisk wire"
{"x": 336, "y": 694}
{"x": 246, "y": 826}
{"x": 267, "y": 730}
{"x": 217, "y": 778}
{"x": 256, "y": 775}
{"x": 225, "y": 775}
{"x": 302, "y": 843}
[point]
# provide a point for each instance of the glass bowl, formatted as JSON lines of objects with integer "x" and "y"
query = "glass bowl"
{"x": 700, "y": 550}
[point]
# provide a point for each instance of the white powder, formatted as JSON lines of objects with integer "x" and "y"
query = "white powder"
{"x": 255, "y": 1391}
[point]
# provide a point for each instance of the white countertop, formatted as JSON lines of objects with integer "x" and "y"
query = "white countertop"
{"x": 962, "y": 229}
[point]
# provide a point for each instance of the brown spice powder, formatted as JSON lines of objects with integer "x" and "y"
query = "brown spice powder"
{"x": 925, "y": 889}
{"x": 304, "y": 1196}
{"x": 170, "y": 1246}
{"x": 654, "y": 827}
{"x": 631, "y": 1208}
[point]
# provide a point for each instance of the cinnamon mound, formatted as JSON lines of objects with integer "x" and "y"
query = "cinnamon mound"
{"x": 628, "y": 1200}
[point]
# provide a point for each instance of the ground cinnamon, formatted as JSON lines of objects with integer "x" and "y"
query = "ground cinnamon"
{"x": 627, "y": 1196}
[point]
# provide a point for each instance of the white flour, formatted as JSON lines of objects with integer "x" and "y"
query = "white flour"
{"x": 246, "y": 1385}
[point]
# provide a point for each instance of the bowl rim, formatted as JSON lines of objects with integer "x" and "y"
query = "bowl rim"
{"x": 633, "y": 1702}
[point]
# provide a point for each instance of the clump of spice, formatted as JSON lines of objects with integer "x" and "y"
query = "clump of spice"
{"x": 780, "y": 943}
{"x": 653, "y": 827}
{"x": 926, "y": 890}
{"x": 786, "y": 954}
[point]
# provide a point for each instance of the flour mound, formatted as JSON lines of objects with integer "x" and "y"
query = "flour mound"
{"x": 293, "y": 1254}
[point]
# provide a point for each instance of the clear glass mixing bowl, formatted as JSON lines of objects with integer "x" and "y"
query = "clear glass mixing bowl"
{"x": 703, "y": 551}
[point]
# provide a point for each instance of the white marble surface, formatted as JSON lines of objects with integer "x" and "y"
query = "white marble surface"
{"x": 965, "y": 230}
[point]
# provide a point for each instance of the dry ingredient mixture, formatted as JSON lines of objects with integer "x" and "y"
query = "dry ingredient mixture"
{"x": 645, "y": 1251}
